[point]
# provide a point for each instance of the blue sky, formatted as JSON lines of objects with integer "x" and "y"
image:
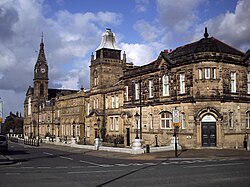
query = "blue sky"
{"x": 73, "y": 29}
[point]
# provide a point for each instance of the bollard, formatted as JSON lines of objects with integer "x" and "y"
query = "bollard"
{"x": 147, "y": 149}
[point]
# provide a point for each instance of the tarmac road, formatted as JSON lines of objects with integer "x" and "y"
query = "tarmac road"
{"x": 51, "y": 165}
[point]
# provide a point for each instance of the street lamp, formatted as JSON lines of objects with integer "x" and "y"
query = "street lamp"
{"x": 74, "y": 129}
{"x": 98, "y": 127}
{"x": 137, "y": 117}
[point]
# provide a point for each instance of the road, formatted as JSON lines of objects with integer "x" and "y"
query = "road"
{"x": 37, "y": 166}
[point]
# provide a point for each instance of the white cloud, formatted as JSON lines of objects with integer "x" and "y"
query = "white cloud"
{"x": 68, "y": 39}
{"x": 178, "y": 16}
{"x": 146, "y": 30}
{"x": 233, "y": 27}
{"x": 141, "y": 5}
{"x": 140, "y": 54}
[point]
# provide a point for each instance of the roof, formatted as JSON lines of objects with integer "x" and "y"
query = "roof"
{"x": 108, "y": 41}
{"x": 52, "y": 93}
{"x": 204, "y": 45}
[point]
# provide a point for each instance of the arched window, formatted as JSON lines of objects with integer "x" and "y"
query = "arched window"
{"x": 166, "y": 120}
{"x": 29, "y": 106}
{"x": 41, "y": 90}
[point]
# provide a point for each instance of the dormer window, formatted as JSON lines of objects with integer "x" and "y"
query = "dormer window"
{"x": 233, "y": 82}
{"x": 182, "y": 83}
{"x": 150, "y": 87}
{"x": 207, "y": 73}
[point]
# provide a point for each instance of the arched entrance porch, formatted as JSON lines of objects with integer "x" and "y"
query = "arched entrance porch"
{"x": 208, "y": 127}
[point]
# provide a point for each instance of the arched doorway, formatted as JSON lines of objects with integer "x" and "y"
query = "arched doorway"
{"x": 208, "y": 131}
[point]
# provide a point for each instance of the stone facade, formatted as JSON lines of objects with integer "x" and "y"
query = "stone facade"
{"x": 207, "y": 82}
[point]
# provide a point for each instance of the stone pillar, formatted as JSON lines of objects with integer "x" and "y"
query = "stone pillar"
{"x": 73, "y": 140}
{"x": 98, "y": 143}
{"x": 137, "y": 146}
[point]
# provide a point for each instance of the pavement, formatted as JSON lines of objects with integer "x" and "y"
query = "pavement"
{"x": 188, "y": 154}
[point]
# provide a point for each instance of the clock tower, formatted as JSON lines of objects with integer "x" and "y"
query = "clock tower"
{"x": 41, "y": 75}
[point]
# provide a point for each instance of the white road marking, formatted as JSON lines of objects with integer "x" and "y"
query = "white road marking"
{"x": 77, "y": 167}
{"x": 123, "y": 165}
{"x": 12, "y": 173}
{"x": 68, "y": 158}
{"x": 214, "y": 165}
{"x": 61, "y": 167}
{"x": 86, "y": 172}
{"x": 150, "y": 164}
{"x": 106, "y": 165}
{"x": 46, "y": 153}
{"x": 91, "y": 163}
{"x": 44, "y": 167}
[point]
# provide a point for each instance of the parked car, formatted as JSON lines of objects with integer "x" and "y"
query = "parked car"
{"x": 3, "y": 143}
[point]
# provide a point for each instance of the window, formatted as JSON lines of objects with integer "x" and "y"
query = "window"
{"x": 88, "y": 132}
{"x": 116, "y": 124}
{"x": 165, "y": 85}
{"x": 116, "y": 101}
{"x": 41, "y": 90}
{"x": 230, "y": 120}
{"x": 106, "y": 103}
{"x": 248, "y": 82}
{"x": 183, "y": 121}
{"x": 136, "y": 91}
{"x": 150, "y": 121}
{"x": 88, "y": 109}
{"x": 95, "y": 78}
{"x": 207, "y": 73}
{"x": 126, "y": 93}
{"x": 182, "y": 83}
{"x": 166, "y": 119}
{"x": 29, "y": 106}
{"x": 199, "y": 73}
{"x": 248, "y": 120}
{"x": 233, "y": 81}
{"x": 111, "y": 123}
{"x": 151, "y": 92}
{"x": 94, "y": 104}
{"x": 112, "y": 102}
{"x": 214, "y": 73}
{"x": 97, "y": 103}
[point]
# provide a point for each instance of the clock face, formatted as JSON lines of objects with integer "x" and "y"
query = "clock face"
{"x": 42, "y": 70}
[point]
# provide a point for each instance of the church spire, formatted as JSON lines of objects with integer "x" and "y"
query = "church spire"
{"x": 41, "y": 59}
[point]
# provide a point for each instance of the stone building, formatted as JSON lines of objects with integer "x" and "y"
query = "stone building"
{"x": 207, "y": 82}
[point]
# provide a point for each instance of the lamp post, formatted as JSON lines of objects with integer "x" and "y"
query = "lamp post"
{"x": 137, "y": 117}
{"x": 38, "y": 122}
{"x": 74, "y": 129}
{"x": 98, "y": 127}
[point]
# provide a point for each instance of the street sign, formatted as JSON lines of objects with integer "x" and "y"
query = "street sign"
{"x": 176, "y": 116}
{"x": 176, "y": 124}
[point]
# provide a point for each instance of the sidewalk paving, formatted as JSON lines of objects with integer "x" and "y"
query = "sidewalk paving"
{"x": 188, "y": 154}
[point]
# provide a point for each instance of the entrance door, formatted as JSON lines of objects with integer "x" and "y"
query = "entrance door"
{"x": 208, "y": 134}
{"x": 128, "y": 137}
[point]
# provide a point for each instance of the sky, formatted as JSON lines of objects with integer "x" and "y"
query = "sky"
{"x": 73, "y": 29}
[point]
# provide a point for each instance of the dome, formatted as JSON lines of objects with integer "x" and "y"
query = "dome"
{"x": 108, "y": 41}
